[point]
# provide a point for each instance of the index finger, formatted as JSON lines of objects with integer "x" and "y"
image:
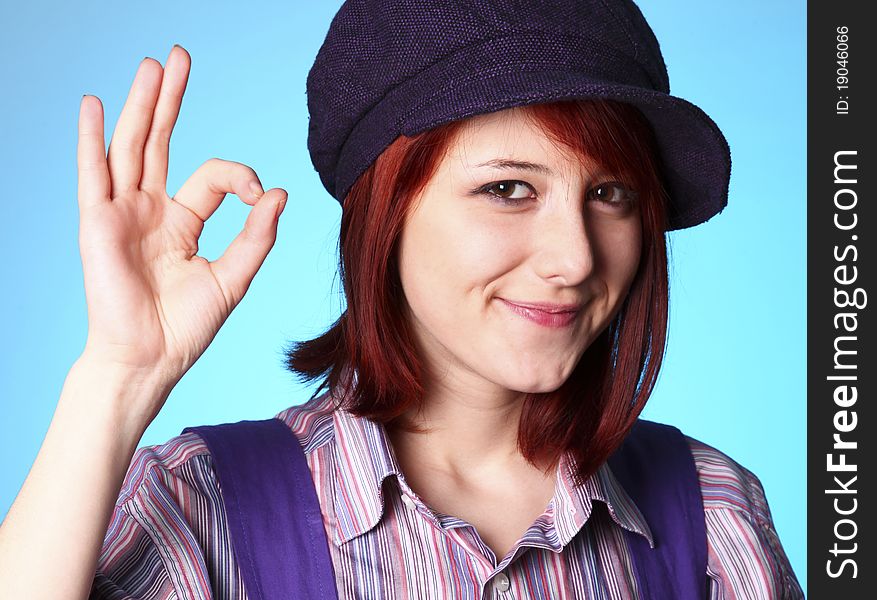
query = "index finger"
{"x": 91, "y": 158}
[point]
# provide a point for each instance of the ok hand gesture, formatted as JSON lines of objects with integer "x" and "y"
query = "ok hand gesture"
{"x": 154, "y": 305}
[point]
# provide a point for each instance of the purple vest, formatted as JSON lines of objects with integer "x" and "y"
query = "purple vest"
{"x": 284, "y": 553}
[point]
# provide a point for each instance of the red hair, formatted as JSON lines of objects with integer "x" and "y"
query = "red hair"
{"x": 369, "y": 351}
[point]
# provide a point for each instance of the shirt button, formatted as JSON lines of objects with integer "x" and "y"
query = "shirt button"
{"x": 501, "y": 581}
{"x": 408, "y": 502}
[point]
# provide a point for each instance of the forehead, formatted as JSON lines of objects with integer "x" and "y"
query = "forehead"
{"x": 513, "y": 135}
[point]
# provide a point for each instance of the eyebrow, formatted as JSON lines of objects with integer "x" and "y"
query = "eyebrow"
{"x": 507, "y": 164}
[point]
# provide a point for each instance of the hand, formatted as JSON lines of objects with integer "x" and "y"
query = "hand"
{"x": 154, "y": 305}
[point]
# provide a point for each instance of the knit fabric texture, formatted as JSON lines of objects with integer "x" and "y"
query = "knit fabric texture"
{"x": 399, "y": 67}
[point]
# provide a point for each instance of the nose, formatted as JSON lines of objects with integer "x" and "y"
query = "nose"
{"x": 565, "y": 247}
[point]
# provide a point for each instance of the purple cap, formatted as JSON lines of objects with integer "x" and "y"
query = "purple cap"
{"x": 391, "y": 67}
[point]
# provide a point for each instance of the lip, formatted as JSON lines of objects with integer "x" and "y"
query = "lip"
{"x": 546, "y": 314}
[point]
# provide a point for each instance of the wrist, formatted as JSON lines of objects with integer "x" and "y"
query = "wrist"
{"x": 121, "y": 397}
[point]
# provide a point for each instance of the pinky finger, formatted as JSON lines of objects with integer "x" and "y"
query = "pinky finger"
{"x": 91, "y": 157}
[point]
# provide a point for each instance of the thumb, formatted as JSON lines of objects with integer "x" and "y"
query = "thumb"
{"x": 237, "y": 266}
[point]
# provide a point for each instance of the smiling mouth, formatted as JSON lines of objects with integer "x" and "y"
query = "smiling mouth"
{"x": 547, "y": 315}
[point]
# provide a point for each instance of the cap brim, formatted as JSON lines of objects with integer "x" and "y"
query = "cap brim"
{"x": 695, "y": 154}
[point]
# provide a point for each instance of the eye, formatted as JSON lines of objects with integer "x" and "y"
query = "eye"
{"x": 613, "y": 194}
{"x": 502, "y": 191}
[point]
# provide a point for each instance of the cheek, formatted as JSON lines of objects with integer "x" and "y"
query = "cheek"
{"x": 620, "y": 249}
{"x": 446, "y": 261}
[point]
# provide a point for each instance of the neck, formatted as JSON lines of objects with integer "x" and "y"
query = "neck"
{"x": 470, "y": 426}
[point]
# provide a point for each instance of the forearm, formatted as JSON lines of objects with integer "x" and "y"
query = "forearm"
{"x": 52, "y": 535}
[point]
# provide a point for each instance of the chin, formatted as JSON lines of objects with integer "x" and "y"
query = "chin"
{"x": 538, "y": 389}
{"x": 532, "y": 382}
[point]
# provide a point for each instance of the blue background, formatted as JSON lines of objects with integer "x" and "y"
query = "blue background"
{"x": 734, "y": 370}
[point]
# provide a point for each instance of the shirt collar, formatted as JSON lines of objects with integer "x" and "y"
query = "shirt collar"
{"x": 364, "y": 458}
{"x": 573, "y": 504}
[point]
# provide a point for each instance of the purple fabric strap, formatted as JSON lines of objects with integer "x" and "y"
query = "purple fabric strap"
{"x": 281, "y": 545}
{"x": 273, "y": 513}
{"x": 655, "y": 466}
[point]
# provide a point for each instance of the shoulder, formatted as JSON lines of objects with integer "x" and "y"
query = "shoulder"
{"x": 184, "y": 460}
{"x": 163, "y": 463}
{"x": 311, "y": 422}
{"x": 745, "y": 552}
{"x": 169, "y": 519}
{"x": 150, "y": 548}
{"x": 725, "y": 483}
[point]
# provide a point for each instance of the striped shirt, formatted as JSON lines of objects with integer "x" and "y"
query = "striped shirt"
{"x": 168, "y": 537}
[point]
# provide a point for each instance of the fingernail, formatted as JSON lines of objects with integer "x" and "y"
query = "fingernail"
{"x": 256, "y": 189}
{"x": 280, "y": 205}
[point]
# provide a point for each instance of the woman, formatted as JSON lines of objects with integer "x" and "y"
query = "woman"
{"x": 505, "y": 270}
